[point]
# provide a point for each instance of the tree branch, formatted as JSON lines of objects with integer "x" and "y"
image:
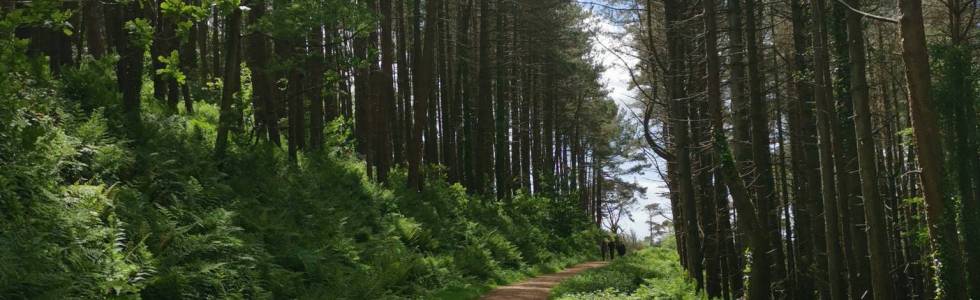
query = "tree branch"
{"x": 869, "y": 15}
{"x": 663, "y": 153}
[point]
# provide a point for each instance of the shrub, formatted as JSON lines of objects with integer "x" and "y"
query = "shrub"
{"x": 474, "y": 259}
{"x": 503, "y": 251}
{"x": 652, "y": 273}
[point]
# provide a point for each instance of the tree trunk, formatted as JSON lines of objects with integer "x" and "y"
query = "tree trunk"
{"x": 716, "y": 211}
{"x": 364, "y": 106}
{"x": 293, "y": 95}
{"x": 216, "y": 26}
{"x": 502, "y": 145}
{"x": 188, "y": 59}
{"x": 825, "y": 111}
{"x": 232, "y": 81}
{"x": 314, "y": 82}
{"x": 742, "y": 151}
{"x": 845, "y": 160}
{"x": 92, "y": 17}
{"x": 941, "y": 219}
{"x": 386, "y": 85}
{"x": 680, "y": 133}
{"x": 764, "y": 184}
{"x": 202, "y": 37}
{"x": 403, "y": 139}
{"x": 958, "y": 109}
{"x": 450, "y": 108}
{"x": 867, "y": 159}
{"x": 805, "y": 157}
{"x": 164, "y": 39}
{"x": 129, "y": 68}
{"x": 484, "y": 121}
{"x": 423, "y": 89}
{"x": 266, "y": 115}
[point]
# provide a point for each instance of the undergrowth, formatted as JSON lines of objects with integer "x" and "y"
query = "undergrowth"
{"x": 651, "y": 273}
{"x": 89, "y": 212}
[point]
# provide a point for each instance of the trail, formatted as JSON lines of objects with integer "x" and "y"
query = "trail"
{"x": 538, "y": 288}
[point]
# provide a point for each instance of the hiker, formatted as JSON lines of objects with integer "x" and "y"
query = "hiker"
{"x": 604, "y": 249}
{"x": 612, "y": 249}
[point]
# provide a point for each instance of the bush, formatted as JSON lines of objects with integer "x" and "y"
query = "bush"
{"x": 652, "y": 273}
{"x": 503, "y": 251}
{"x": 93, "y": 87}
{"x": 476, "y": 260}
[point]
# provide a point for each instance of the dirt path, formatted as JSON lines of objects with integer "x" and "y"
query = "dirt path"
{"x": 538, "y": 288}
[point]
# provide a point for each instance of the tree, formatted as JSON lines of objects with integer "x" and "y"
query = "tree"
{"x": 678, "y": 106}
{"x": 232, "y": 81}
{"x": 939, "y": 214}
{"x": 874, "y": 207}
{"x": 266, "y": 112}
{"x": 655, "y": 210}
{"x": 824, "y": 113}
{"x": 808, "y": 206}
{"x": 92, "y": 18}
{"x": 388, "y": 101}
{"x": 502, "y": 105}
{"x": 483, "y": 167}
{"x": 129, "y": 36}
{"x": 956, "y": 98}
{"x": 423, "y": 87}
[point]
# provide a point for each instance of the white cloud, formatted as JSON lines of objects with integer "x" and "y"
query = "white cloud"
{"x": 611, "y": 47}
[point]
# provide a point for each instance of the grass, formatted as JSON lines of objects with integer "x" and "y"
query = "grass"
{"x": 651, "y": 273}
{"x": 473, "y": 289}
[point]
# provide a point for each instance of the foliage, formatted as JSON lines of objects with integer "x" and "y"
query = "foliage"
{"x": 86, "y": 213}
{"x": 142, "y": 31}
{"x": 171, "y": 68}
{"x": 652, "y": 273}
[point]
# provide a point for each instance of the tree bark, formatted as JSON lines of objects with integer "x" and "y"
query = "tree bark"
{"x": 502, "y": 110}
{"x": 315, "y": 64}
{"x": 764, "y": 188}
{"x": 232, "y": 81}
{"x": 678, "y": 105}
{"x": 845, "y": 160}
{"x": 959, "y": 111}
{"x": 940, "y": 218}
{"x": 810, "y": 233}
{"x": 825, "y": 111}
{"x": 129, "y": 68}
{"x": 188, "y": 61}
{"x": 92, "y": 17}
{"x": 423, "y": 89}
{"x": 717, "y": 211}
{"x": 484, "y": 120}
{"x": 450, "y": 108}
{"x": 881, "y": 280}
{"x": 257, "y": 57}
{"x": 386, "y": 84}
{"x": 742, "y": 151}
{"x": 403, "y": 139}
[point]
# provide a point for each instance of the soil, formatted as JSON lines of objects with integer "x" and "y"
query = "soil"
{"x": 538, "y": 288}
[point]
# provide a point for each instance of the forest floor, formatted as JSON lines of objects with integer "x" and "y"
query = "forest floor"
{"x": 538, "y": 288}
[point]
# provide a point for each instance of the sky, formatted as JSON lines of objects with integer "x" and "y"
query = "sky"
{"x": 606, "y": 38}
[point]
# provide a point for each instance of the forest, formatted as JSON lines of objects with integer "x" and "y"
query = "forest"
{"x": 452, "y": 149}
{"x": 815, "y": 148}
